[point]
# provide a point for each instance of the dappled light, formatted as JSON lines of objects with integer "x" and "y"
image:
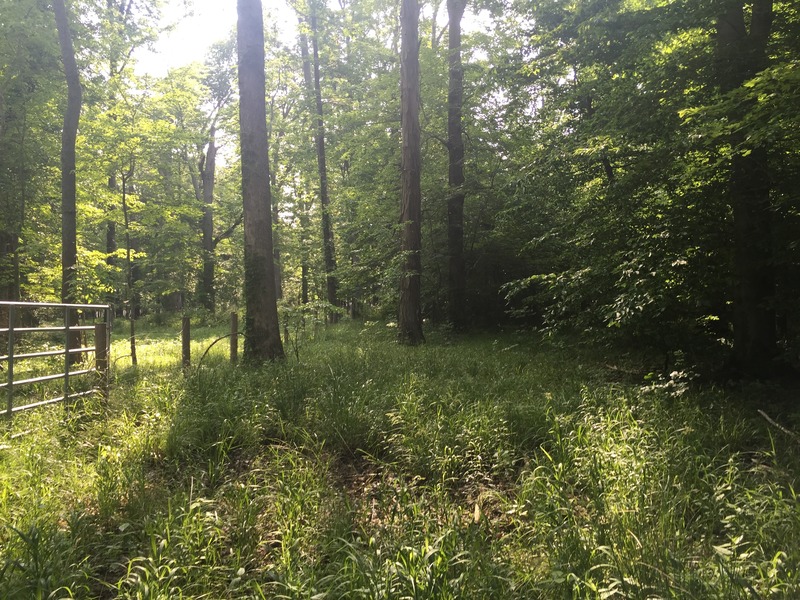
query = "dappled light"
{"x": 366, "y": 299}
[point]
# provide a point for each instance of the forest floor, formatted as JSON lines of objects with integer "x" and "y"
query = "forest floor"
{"x": 486, "y": 466}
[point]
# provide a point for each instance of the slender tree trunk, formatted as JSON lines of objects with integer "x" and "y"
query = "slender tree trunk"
{"x": 304, "y": 283}
{"x": 304, "y": 227}
{"x": 409, "y": 318}
{"x": 276, "y": 196}
{"x": 741, "y": 54}
{"x": 455, "y": 145}
{"x": 129, "y": 296}
{"x": 314, "y": 90}
{"x": 262, "y": 328}
{"x": 111, "y": 242}
{"x": 276, "y": 251}
{"x": 208, "y": 176}
{"x": 9, "y": 266}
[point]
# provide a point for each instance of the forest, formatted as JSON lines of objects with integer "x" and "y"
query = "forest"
{"x": 518, "y": 287}
{"x": 626, "y": 170}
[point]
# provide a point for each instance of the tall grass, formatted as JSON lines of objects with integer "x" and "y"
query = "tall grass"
{"x": 486, "y": 467}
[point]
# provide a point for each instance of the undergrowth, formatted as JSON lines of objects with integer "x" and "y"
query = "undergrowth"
{"x": 491, "y": 466}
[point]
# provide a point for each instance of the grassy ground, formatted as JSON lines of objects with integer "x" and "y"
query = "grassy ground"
{"x": 493, "y": 466}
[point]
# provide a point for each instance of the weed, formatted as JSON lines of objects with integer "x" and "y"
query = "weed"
{"x": 497, "y": 467}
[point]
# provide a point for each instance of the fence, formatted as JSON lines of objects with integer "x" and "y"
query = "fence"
{"x": 72, "y": 313}
{"x": 186, "y": 342}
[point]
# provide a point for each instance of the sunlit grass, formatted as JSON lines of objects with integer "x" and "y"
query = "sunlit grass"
{"x": 494, "y": 466}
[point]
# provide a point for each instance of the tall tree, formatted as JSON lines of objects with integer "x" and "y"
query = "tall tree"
{"x": 69, "y": 134}
{"x": 314, "y": 91}
{"x": 208, "y": 169}
{"x": 741, "y": 54}
{"x": 409, "y": 318}
{"x": 30, "y": 75}
{"x": 262, "y": 329}
{"x": 123, "y": 26}
{"x": 455, "y": 149}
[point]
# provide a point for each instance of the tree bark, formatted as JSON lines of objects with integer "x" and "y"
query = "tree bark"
{"x": 409, "y": 317}
{"x": 314, "y": 90}
{"x": 262, "y": 329}
{"x": 277, "y": 195}
{"x": 130, "y": 298}
{"x": 69, "y": 251}
{"x": 304, "y": 258}
{"x": 455, "y": 146}
{"x": 741, "y": 54}
{"x": 69, "y": 134}
{"x": 9, "y": 266}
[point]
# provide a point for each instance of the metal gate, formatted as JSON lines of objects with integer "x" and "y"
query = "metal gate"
{"x": 99, "y": 317}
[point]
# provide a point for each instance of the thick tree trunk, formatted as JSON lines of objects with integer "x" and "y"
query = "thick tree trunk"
{"x": 409, "y": 317}
{"x": 262, "y": 329}
{"x": 455, "y": 145}
{"x": 755, "y": 324}
{"x": 741, "y": 54}
{"x": 206, "y": 290}
{"x": 69, "y": 134}
{"x": 69, "y": 243}
{"x": 314, "y": 90}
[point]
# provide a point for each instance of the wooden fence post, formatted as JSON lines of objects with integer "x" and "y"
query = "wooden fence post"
{"x": 101, "y": 356}
{"x": 234, "y": 338}
{"x": 186, "y": 344}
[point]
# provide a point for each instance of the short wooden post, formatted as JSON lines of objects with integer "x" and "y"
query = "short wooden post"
{"x": 234, "y": 338}
{"x": 101, "y": 356}
{"x": 186, "y": 341}
{"x": 134, "y": 359}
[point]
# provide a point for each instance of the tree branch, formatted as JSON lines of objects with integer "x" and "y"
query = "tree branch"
{"x": 228, "y": 232}
{"x": 780, "y": 427}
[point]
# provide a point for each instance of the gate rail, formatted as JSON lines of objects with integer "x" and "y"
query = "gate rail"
{"x": 100, "y": 349}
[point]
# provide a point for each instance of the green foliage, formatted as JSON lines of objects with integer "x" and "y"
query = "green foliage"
{"x": 498, "y": 467}
{"x": 598, "y": 153}
{"x": 618, "y": 524}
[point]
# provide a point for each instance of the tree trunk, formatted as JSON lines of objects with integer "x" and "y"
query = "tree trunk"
{"x": 276, "y": 198}
{"x": 9, "y": 277}
{"x": 129, "y": 295}
{"x": 9, "y": 266}
{"x": 740, "y": 56}
{"x": 69, "y": 244}
{"x": 69, "y": 134}
{"x": 276, "y": 252}
{"x": 262, "y": 329}
{"x": 455, "y": 147}
{"x": 304, "y": 258}
{"x": 111, "y": 242}
{"x": 409, "y": 317}
{"x": 208, "y": 175}
{"x": 314, "y": 90}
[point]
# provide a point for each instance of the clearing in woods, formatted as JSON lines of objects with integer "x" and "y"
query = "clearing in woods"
{"x": 490, "y": 466}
